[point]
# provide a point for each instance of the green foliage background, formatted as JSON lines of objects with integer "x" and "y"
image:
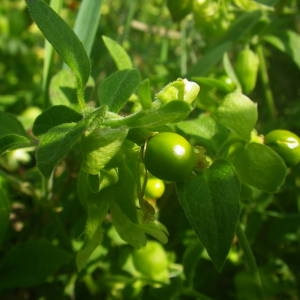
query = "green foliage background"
{"x": 57, "y": 239}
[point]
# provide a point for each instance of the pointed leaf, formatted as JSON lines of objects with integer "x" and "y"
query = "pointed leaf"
{"x": 62, "y": 38}
{"x": 54, "y": 116}
{"x": 96, "y": 205}
{"x": 259, "y": 166}
{"x": 211, "y": 204}
{"x": 9, "y": 124}
{"x": 128, "y": 231}
{"x": 13, "y": 141}
{"x": 156, "y": 230}
{"x": 55, "y": 144}
{"x": 115, "y": 90}
{"x": 118, "y": 53}
{"x": 238, "y": 113}
{"x": 126, "y": 188}
{"x": 87, "y": 22}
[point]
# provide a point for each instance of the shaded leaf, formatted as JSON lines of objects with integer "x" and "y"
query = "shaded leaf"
{"x": 96, "y": 206}
{"x": 211, "y": 58}
{"x": 54, "y": 116}
{"x": 288, "y": 42}
{"x": 156, "y": 230}
{"x": 238, "y": 30}
{"x": 30, "y": 263}
{"x": 13, "y": 141}
{"x": 128, "y": 230}
{"x": 55, "y": 144}
{"x": 211, "y": 204}
{"x": 9, "y": 124}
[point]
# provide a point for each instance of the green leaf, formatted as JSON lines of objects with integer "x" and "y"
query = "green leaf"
{"x": 206, "y": 129}
{"x": 128, "y": 230}
{"x": 100, "y": 147}
{"x": 95, "y": 118}
{"x": 13, "y": 141}
{"x": 115, "y": 90}
{"x": 55, "y": 144}
{"x": 171, "y": 112}
{"x": 288, "y": 42}
{"x": 211, "y": 204}
{"x": 259, "y": 166}
{"x": 238, "y": 113}
{"x": 9, "y": 124}
{"x": 239, "y": 29}
{"x": 87, "y": 22}
{"x": 107, "y": 178}
{"x": 211, "y": 58}
{"x": 90, "y": 245}
{"x": 190, "y": 260}
{"x": 156, "y": 230}
{"x": 96, "y": 205}
{"x": 30, "y": 263}
{"x": 54, "y": 116}
{"x": 243, "y": 25}
{"x": 126, "y": 188}
{"x": 12, "y": 133}
{"x": 4, "y": 209}
{"x": 62, "y": 89}
{"x": 62, "y": 38}
{"x": 118, "y": 53}
{"x": 56, "y": 5}
{"x": 144, "y": 93}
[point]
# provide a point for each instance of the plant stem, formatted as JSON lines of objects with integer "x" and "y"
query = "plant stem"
{"x": 244, "y": 243}
{"x": 80, "y": 98}
{"x": 270, "y": 104}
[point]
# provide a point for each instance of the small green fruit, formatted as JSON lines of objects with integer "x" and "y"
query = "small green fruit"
{"x": 286, "y": 144}
{"x": 246, "y": 67}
